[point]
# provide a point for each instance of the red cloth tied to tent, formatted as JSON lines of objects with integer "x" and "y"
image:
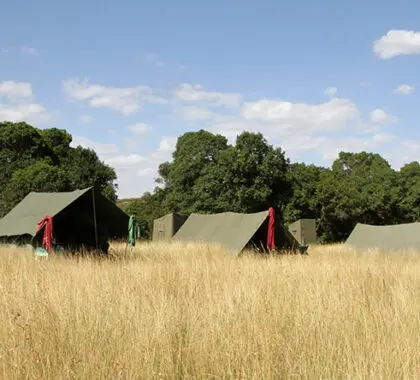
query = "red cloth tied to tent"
{"x": 271, "y": 223}
{"x": 48, "y": 232}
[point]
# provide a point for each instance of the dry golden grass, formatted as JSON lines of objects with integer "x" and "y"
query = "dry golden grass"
{"x": 168, "y": 311}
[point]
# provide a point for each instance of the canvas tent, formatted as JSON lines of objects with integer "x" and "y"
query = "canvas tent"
{"x": 234, "y": 231}
{"x": 80, "y": 218}
{"x": 167, "y": 226}
{"x": 400, "y": 237}
{"x": 304, "y": 231}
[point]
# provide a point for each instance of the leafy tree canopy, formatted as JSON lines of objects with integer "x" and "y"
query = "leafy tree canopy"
{"x": 32, "y": 159}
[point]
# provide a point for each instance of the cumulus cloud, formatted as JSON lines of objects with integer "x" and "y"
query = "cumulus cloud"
{"x": 285, "y": 116}
{"x": 194, "y": 93}
{"x": 126, "y": 100}
{"x": 404, "y": 89}
{"x": 397, "y": 42}
{"x": 379, "y": 116}
{"x": 29, "y": 50}
{"x": 136, "y": 172}
{"x": 16, "y": 104}
{"x": 34, "y": 114}
{"x": 101, "y": 149}
{"x": 140, "y": 128}
{"x": 331, "y": 91}
{"x": 15, "y": 90}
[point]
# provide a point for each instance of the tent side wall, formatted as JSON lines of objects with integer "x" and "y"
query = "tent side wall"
{"x": 167, "y": 226}
{"x": 304, "y": 231}
{"x": 162, "y": 227}
{"x": 400, "y": 237}
{"x": 234, "y": 231}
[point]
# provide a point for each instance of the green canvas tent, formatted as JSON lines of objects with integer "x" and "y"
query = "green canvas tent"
{"x": 80, "y": 218}
{"x": 304, "y": 231}
{"x": 234, "y": 231}
{"x": 400, "y": 237}
{"x": 167, "y": 226}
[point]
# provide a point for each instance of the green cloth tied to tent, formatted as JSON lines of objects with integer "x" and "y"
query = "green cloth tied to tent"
{"x": 133, "y": 231}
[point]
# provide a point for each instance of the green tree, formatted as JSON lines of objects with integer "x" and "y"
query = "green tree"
{"x": 57, "y": 140}
{"x": 40, "y": 177}
{"x": 42, "y": 160}
{"x": 20, "y": 146}
{"x": 84, "y": 169}
{"x": 194, "y": 152}
{"x": 208, "y": 175}
{"x": 409, "y": 192}
{"x": 304, "y": 181}
{"x": 361, "y": 187}
{"x": 247, "y": 177}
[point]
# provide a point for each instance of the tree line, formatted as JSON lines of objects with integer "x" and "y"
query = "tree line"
{"x": 209, "y": 175}
{"x": 33, "y": 159}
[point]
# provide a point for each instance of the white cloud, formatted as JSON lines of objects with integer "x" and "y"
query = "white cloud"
{"x": 15, "y": 90}
{"x": 136, "y": 172}
{"x": 154, "y": 58}
{"x": 126, "y": 161}
{"x": 283, "y": 117}
{"x": 34, "y": 114}
{"x": 100, "y": 148}
{"x": 29, "y": 51}
{"x": 86, "y": 118}
{"x": 127, "y": 100}
{"x": 379, "y": 116}
{"x": 404, "y": 89}
{"x": 3, "y": 50}
{"x": 404, "y": 152}
{"x": 331, "y": 91}
{"x": 397, "y": 42}
{"x": 167, "y": 145}
{"x": 140, "y": 128}
{"x": 16, "y": 104}
{"x": 145, "y": 172}
{"x": 194, "y": 93}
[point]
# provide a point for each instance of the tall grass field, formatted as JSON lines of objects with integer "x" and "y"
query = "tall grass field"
{"x": 162, "y": 311}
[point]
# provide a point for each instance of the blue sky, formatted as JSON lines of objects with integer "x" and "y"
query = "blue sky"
{"x": 127, "y": 78}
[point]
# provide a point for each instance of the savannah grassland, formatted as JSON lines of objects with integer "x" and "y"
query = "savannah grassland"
{"x": 171, "y": 311}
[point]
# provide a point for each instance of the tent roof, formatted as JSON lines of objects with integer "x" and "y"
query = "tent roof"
{"x": 394, "y": 237}
{"x": 23, "y": 218}
{"x": 231, "y": 229}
